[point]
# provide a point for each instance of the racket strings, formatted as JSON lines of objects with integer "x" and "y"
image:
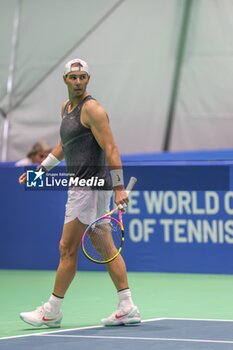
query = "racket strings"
{"x": 103, "y": 239}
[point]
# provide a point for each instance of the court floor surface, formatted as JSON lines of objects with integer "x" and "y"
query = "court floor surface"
{"x": 160, "y": 333}
{"x": 180, "y": 311}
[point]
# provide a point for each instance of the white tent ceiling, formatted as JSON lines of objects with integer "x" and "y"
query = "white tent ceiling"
{"x": 131, "y": 47}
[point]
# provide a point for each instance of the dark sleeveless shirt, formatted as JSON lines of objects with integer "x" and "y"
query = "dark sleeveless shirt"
{"x": 83, "y": 155}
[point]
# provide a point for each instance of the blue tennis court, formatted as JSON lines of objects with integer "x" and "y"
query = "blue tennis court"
{"x": 161, "y": 333}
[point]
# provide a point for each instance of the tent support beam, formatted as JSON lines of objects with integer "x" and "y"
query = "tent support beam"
{"x": 10, "y": 80}
{"x": 177, "y": 73}
{"x": 64, "y": 57}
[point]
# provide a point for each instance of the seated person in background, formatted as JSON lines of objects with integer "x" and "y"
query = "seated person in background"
{"x": 37, "y": 154}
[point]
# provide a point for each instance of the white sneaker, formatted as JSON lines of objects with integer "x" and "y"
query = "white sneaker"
{"x": 123, "y": 317}
{"x": 41, "y": 317}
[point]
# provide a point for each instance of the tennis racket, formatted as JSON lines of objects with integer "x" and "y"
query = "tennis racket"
{"x": 103, "y": 239}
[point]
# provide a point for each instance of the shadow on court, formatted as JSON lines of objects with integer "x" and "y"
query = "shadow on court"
{"x": 169, "y": 334}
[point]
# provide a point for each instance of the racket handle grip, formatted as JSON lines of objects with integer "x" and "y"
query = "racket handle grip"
{"x": 131, "y": 184}
{"x": 129, "y": 188}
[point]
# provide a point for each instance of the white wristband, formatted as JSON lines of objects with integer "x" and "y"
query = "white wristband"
{"x": 117, "y": 177}
{"x": 50, "y": 162}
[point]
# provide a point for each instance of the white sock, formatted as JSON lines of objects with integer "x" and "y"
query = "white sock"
{"x": 54, "y": 304}
{"x": 125, "y": 299}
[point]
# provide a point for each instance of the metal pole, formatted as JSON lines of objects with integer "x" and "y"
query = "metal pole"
{"x": 177, "y": 73}
{"x": 10, "y": 79}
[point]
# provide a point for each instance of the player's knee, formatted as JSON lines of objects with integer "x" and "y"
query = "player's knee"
{"x": 66, "y": 250}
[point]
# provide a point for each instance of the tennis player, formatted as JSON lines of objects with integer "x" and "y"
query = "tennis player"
{"x": 86, "y": 140}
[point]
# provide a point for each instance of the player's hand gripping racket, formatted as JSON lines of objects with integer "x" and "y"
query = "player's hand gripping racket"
{"x": 103, "y": 239}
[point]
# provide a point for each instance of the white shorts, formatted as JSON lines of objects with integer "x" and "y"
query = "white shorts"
{"x": 86, "y": 205}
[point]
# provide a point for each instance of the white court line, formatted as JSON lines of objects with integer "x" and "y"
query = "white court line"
{"x": 195, "y": 319}
{"x": 51, "y": 331}
{"x": 99, "y": 326}
{"x": 69, "y": 330}
{"x": 140, "y": 338}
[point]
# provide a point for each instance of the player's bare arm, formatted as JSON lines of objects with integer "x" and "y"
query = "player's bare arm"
{"x": 57, "y": 151}
{"x": 95, "y": 118}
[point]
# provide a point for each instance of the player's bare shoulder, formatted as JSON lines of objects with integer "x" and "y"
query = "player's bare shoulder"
{"x": 93, "y": 112}
{"x": 93, "y": 107}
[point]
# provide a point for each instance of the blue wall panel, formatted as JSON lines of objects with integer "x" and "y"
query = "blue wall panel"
{"x": 179, "y": 220}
